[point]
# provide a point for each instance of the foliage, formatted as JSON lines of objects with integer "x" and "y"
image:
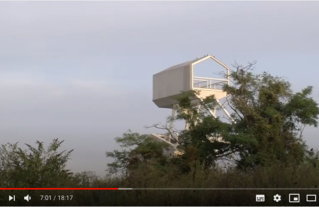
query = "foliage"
{"x": 34, "y": 167}
{"x": 202, "y": 140}
{"x": 266, "y": 109}
{"x": 137, "y": 150}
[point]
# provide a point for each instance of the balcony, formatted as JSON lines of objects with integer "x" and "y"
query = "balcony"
{"x": 209, "y": 83}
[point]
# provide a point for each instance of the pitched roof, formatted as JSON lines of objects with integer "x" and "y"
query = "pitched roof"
{"x": 187, "y": 63}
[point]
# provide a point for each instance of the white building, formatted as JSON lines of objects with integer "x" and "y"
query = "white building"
{"x": 171, "y": 82}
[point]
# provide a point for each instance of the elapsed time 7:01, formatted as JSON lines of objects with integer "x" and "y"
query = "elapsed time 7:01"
{"x": 56, "y": 197}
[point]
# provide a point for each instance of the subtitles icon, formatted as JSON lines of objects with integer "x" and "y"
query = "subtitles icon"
{"x": 12, "y": 198}
{"x": 311, "y": 197}
{"x": 260, "y": 198}
{"x": 294, "y": 198}
{"x": 27, "y": 198}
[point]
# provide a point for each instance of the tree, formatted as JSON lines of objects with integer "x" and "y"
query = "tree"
{"x": 201, "y": 141}
{"x": 34, "y": 167}
{"x": 137, "y": 150}
{"x": 266, "y": 109}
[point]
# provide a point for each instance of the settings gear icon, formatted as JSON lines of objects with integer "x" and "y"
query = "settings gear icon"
{"x": 277, "y": 198}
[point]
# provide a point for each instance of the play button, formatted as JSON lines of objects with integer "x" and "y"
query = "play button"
{"x": 12, "y": 198}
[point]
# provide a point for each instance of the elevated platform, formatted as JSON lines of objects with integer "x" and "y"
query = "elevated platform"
{"x": 172, "y": 151}
{"x": 169, "y": 83}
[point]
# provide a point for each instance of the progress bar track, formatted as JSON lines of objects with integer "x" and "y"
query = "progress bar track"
{"x": 194, "y": 189}
{"x": 232, "y": 189}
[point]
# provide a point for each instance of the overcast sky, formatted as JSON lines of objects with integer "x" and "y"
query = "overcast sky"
{"x": 82, "y": 71}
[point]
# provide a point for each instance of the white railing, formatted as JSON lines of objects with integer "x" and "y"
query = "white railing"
{"x": 210, "y": 83}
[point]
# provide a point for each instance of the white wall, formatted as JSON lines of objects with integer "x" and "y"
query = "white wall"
{"x": 170, "y": 83}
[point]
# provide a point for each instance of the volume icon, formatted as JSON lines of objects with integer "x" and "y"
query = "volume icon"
{"x": 27, "y": 198}
{"x": 12, "y": 198}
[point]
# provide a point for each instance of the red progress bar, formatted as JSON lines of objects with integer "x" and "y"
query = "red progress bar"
{"x": 59, "y": 188}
